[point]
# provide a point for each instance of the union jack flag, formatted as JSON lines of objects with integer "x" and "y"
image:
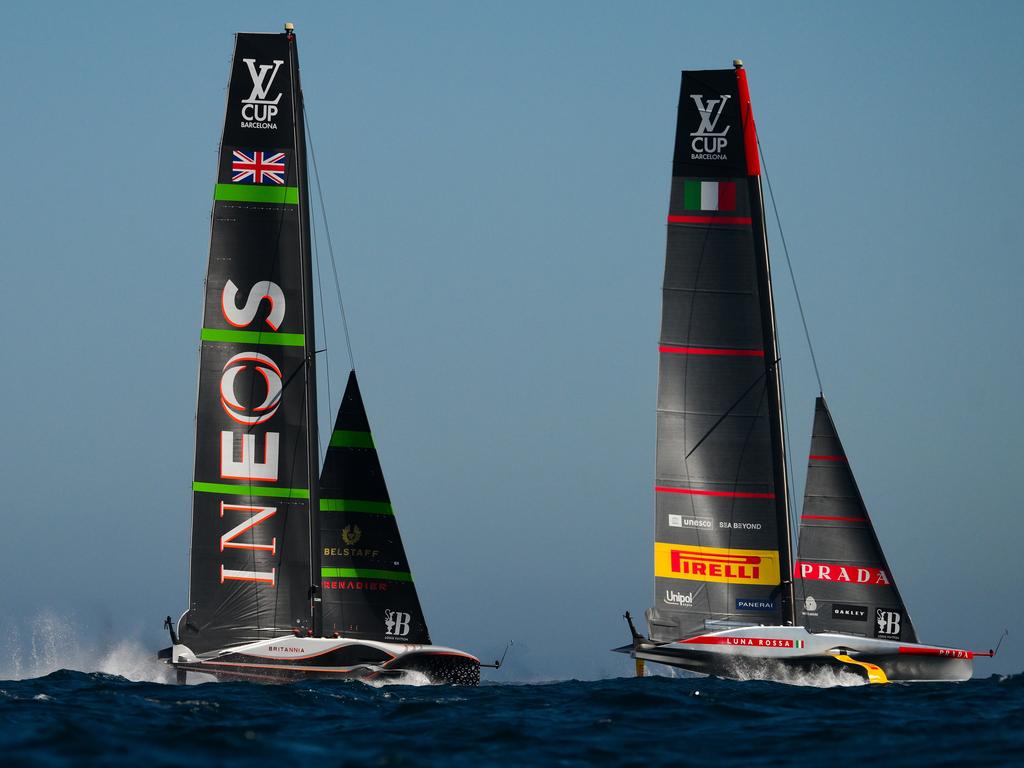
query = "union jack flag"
{"x": 257, "y": 167}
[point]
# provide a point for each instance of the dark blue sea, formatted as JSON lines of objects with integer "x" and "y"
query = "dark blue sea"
{"x": 76, "y": 718}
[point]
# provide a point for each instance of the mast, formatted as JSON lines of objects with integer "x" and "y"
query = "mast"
{"x": 771, "y": 344}
{"x": 309, "y": 330}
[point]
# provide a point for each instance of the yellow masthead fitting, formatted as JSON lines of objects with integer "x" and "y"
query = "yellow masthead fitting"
{"x": 289, "y": 27}
{"x": 738, "y": 63}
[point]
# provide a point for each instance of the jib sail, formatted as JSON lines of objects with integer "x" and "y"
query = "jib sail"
{"x": 847, "y": 584}
{"x": 251, "y": 569}
{"x": 721, "y": 551}
{"x": 366, "y": 582}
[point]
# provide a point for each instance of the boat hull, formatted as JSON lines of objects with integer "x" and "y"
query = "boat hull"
{"x": 780, "y": 653}
{"x": 288, "y": 658}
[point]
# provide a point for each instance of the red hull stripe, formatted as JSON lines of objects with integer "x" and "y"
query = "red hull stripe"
{"x": 817, "y": 457}
{"x": 743, "y": 642}
{"x": 729, "y": 494}
{"x": 952, "y": 653}
{"x": 840, "y": 519}
{"x": 709, "y": 220}
{"x": 710, "y": 351}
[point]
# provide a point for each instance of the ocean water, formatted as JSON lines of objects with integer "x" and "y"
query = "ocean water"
{"x": 127, "y": 713}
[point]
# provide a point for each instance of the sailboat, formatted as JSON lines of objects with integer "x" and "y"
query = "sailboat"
{"x": 724, "y": 573}
{"x": 296, "y": 570}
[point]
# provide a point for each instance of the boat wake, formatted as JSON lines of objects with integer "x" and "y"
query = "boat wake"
{"x": 50, "y": 643}
{"x": 817, "y": 678}
{"x": 404, "y": 677}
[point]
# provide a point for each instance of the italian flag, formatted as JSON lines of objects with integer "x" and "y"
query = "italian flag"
{"x": 709, "y": 195}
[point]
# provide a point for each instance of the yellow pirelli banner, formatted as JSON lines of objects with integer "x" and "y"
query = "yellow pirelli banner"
{"x": 726, "y": 566}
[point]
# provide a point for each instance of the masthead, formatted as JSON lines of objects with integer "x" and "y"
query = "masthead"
{"x": 289, "y": 27}
{"x": 738, "y": 63}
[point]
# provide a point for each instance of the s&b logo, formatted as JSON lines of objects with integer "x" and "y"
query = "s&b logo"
{"x": 707, "y": 142}
{"x": 887, "y": 624}
{"x": 259, "y": 110}
{"x": 396, "y": 623}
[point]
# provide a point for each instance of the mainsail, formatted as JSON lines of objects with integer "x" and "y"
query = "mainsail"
{"x": 252, "y": 559}
{"x": 847, "y": 584}
{"x": 722, "y": 551}
{"x": 367, "y": 586}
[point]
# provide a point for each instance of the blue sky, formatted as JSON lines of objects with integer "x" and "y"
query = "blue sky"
{"x": 496, "y": 178}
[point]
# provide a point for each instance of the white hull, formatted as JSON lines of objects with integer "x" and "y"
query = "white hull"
{"x": 290, "y": 658}
{"x": 761, "y": 649}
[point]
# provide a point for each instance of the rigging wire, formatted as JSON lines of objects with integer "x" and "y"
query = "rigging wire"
{"x": 794, "y": 522}
{"x": 330, "y": 244}
{"x": 789, "y": 263}
{"x": 323, "y": 324}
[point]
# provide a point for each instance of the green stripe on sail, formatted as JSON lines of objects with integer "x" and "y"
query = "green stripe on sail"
{"x": 256, "y": 193}
{"x": 345, "y": 438}
{"x": 254, "y": 337}
{"x": 355, "y": 505}
{"x": 364, "y": 573}
{"x": 251, "y": 490}
{"x": 691, "y": 195}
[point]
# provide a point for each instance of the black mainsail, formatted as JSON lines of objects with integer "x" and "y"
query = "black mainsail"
{"x": 367, "y": 585}
{"x": 256, "y": 461}
{"x": 264, "y": 575}
{"x": 722, "y": 541}
{"x": 847, "y": 584}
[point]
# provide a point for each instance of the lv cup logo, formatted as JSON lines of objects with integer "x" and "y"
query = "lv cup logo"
{"x": 706, "y": 140}
{"x": 259, "y": 108}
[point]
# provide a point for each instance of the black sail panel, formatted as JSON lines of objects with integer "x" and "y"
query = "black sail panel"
{"x": 366, "y": 582}
{"x": 721, "y": 528}
{"x": 847, "y": 584}
{"x": 250, "y": 550}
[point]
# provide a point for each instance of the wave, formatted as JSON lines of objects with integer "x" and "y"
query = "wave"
{"x": 50, "y": 643}
{"x": 767, "y": 672}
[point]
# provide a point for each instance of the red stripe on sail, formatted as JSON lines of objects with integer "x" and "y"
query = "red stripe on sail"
{"x": 816, "y": 457}
{"x": 840, "y": 519}
{"x": 709, "y": 351}
{"x": 710, "y": 219}
{"x": 728, "y": 494}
